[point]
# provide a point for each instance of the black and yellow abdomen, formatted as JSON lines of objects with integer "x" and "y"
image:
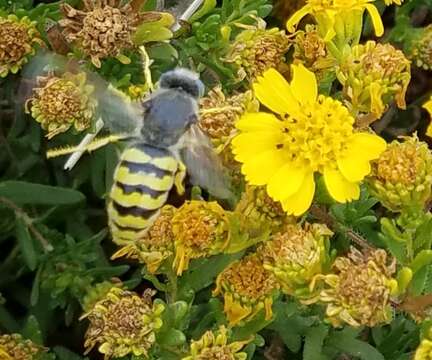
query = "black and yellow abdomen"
{"x": 142, "y": 181}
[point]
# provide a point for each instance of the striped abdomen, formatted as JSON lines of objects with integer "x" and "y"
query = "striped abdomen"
{"x": 142, "y": 181}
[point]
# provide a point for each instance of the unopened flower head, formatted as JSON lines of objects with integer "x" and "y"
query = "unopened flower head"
{"x": 402, "y": 176}
{"x": 310, "y": 133}
{"x": 155, "y": 245}
{"x": 201, "y": 229}
{"x": 258, "y": 211}
{"x": 247, "y": 288}
{"x": 358, "y": 292}
{"x": 19, "y": 39}
{"x": 256, "y": 50}
{"x": 333, "y": 15}
{"x": 15, "y": 347}
{"x": 215, "y": 345}
{"x": 373, "y": 75}
{"x": 310, "y": 50}
{"x": 296, "y": 254}
{"x": 123, "y": 323}
{"x": 59, "y": 103}
{"x": 420, "y": 48}
{"x": 104, "y": 28}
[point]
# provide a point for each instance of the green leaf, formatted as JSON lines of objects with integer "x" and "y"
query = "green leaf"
{"x": 422, "y": 259}
{"x": 171, "y": 338}
{"x": 65, "y": 354}
{"x": 26, "y": 243}
{"x": 314, "y": 343}
{"x": 345, "y": 342}
{"x": 419, "y": 280}
{"x": 205, "y": 8}
{"x": 22, "y": 192}
{"x": 32, "y": 331}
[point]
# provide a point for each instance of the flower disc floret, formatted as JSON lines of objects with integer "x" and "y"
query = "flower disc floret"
{"x": 310, "y": 133}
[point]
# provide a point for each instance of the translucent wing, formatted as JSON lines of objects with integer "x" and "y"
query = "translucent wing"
{"x": 116, "y": 111}
{"x": 203, "y": 165}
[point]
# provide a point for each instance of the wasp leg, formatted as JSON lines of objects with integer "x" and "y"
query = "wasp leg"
{"x": 179, "y": 178}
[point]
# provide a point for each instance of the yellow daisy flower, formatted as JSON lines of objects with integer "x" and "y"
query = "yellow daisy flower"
{"x": 309, "y": 133}
{"x": 428, "y": 107}
{"x": 334, "y": 16}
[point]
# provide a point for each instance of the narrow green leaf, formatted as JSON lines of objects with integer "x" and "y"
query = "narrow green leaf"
{"x": 26, "y": 243}
{"x": 422, "y": 259}
{"x": 344, "y": 342}
{"x": 22, "y": 192}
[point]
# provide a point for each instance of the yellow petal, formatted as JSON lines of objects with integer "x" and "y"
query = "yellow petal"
{"x": 428, "y": 106}
{"x": 376, "y": 91}
{"x": 248, "y": 145}
{"x": 260, "y": 169}
{"x": 285, "y": 182}
{"x": 273, "y": 91}
{"x": 366, "y": 146}
{"x": 340, "y": 188}
{"x": 298, "y": 203}
{"x": 376, "y": 19}
{"x": 259, "y": 121}
{"x": 352, "y": 169}
{"x": 429, "y": 130}
{"x": 303, "y": 84}
{"x": 296, "y": 17}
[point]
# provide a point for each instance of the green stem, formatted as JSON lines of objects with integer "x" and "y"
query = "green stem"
{"x": 172, "y": 286}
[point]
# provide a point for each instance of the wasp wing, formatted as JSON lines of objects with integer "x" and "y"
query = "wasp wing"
{"x": 203, "y": 164}
{"x": 119, "y": 114}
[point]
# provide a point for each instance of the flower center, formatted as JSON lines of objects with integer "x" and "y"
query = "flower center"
{"x": 317, "y": 136}
{"x": 216, "y": 353}
{"x": 15, "y": 42}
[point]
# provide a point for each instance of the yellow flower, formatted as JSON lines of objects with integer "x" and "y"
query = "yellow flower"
{"x": 428, "y": 106}
{"x": 247, "y": 289}
{"x": 358, "y": 293}
{"x": 18, "y": 41}
{"x": 15, "y": 347}
{"x": 123, "y": 323}
{"x": 201, "y": 229}
{"x": 373, "y": 75}
{"x": 424, "y": 350}
{"x": 336, "y": 16}
{"x": 58, "y": 103}
{"x": 156, "y": 245}
{"x": 311, "y": 133}
{"x": 214, "y": 345}
{"x": 401, "y": 177}
{"x": 296, "y": 254}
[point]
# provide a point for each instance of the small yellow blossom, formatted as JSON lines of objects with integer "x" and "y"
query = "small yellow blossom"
{"x": 373, "y": 75}
{"x": 123, "y": 323}
{"x": 428, "y": 106}
{"x": 358, "y": 293}
{"x": 201, "y": 229}
{"x": 333, "y": 16}
{"x": 401, "y": 177}
{"x": 256, "y": 50}
{"x": 58, "y": 103}
{"x": 247, "y": 288}
{"x": 15, "y": 347}
{"x": 311, "y": 133}
{"x": 18, "y": 41}
{"x": 424, "y": 350}
{"x": 156, "y": 245}
{"x": 214, "y": 345}
{"x": 296, "y": 254}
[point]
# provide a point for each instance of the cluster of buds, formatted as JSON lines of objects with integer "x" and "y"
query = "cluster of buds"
{"x": 258, "y": 212}
{"x": 256, "y": 50}
{"x": 107, "y": 28}
{"x": 15, "y": 347}
{"x": 402, "y": 176}
{"x": 247, "y": 288}
{"x": 373, "y": 75}
{"x": 419, "y": 49}
{"x": 19, "y": 39}
{"x": 156, "y": 245}
{"x": 60, "y": 102}
{"x": 200, "y": 229}
{"x": 215, "y": 345}
{"x": 123, "y": 323}
{"x": 358, "y": 291}
{"x": 310, "y": 50}
{"x": 296, "y": 254}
